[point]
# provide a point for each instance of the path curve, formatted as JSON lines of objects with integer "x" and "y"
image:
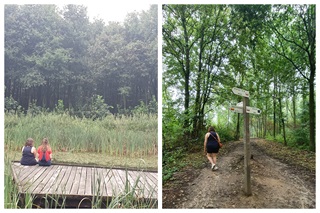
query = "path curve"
{"x": 274, "y": 184}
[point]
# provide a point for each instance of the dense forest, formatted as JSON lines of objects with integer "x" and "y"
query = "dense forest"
{"x": 58, "y": 58}
{"x": 268, "y": 50}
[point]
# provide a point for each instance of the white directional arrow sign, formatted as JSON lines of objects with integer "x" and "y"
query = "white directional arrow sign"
{"x": 236, "y": 109}
{"x": 253, "y": 110}
{"x": 240, "y": 92}
{"x": 240, "y": 104}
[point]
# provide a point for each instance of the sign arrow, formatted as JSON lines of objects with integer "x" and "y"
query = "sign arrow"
{"x": 240, "y": 92}
{"x": 236, "y": 109}
{"x": 253, "y": 110}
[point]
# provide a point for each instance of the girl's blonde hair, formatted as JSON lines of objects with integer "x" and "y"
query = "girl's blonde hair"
{"x": 45, "y": 144}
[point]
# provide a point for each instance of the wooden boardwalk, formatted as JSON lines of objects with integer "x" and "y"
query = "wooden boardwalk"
{"x": 80, "y": 183}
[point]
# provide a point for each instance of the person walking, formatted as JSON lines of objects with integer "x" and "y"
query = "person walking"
{"x": 44, "y": 153}
{"x": 212, "y": 146}
{"x": 29, "y": 153}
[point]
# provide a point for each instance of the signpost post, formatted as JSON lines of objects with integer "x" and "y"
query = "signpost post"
{"x": 243, "y": 107}
{"x": 246, "y": 138}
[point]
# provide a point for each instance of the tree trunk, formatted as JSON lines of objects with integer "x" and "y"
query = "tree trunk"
{"x": 187, "y": 71}
{"x": 312, "y": 114}
{"x": 237, "y": 136}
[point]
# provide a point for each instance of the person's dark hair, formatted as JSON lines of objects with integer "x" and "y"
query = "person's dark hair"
{"x": 29, "y": 142}
{"x": 211, "y": 129}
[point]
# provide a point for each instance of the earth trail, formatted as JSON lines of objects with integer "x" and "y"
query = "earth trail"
{"x": 274, "y": 184}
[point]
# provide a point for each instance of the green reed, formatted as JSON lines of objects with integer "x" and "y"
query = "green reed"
{"x": 115, "y": 136}
{"x": 12, "y": 198}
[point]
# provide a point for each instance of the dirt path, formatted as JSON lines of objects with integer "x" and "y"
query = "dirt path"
{"x": 274, "y": 184}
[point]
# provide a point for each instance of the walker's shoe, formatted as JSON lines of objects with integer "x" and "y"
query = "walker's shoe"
{"x": 213, "y": 167}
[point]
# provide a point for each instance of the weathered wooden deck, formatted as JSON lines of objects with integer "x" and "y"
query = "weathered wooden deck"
{"x": 80, "y": 183}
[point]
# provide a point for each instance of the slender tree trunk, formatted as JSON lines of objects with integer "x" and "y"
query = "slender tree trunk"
{"x": 197, "y": 105}
{"x": 294, "y": 108}
{"x": 312, "y": 113}
{"x": 187, "y": 71}
{"x": 282, "y": 120}
{"x": 237, "y": 136}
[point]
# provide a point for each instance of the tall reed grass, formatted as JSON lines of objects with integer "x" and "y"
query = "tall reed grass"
{"x": 12, "y": 198}
{"x": 113, "y": 136}
{"x": 117, "y": 136}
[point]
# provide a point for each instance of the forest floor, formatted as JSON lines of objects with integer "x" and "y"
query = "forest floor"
{"x": 281, "y": 177}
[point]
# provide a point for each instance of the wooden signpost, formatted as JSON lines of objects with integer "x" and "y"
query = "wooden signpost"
{"x": 245, "y": 109}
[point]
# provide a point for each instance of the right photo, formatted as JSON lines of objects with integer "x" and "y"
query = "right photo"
{"x": 238, "y": 106}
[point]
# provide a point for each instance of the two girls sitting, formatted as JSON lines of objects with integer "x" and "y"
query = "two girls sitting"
{"x": 29, "y": 153}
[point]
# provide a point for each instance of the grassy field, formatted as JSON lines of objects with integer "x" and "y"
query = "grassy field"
{"x": 114, "y": 141}
{"x": 112, "y": 136}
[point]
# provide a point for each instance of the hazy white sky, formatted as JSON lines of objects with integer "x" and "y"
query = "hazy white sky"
{"x": 108, "y": 10}
{"x": 116, "y": 11}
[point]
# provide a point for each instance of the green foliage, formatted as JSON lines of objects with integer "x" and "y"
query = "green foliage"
{"x": 226, "y": 133}
{"x": 54, "y": 54}
{"x": 151, "y": 108}
{"x": 299, "y": 138}
{"x": 12, "y": 106}
{"x": 96, "y": 109}
{"x": 34, "y": 109}
{"x": 114, "y": 136}
{"x": 172, "y": 131}
{"x": 59, "y": 109}
{"x": 171, "y": 163}
{"x": 266, "y": 51}
{"x": 11, "y": 196}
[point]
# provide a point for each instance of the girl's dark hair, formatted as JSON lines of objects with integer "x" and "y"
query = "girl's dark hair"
{"x": 29, "y": 142}
{"x": 211, "y": 129}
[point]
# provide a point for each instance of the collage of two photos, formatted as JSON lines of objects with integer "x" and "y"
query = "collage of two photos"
{"x": 82, "y": 100}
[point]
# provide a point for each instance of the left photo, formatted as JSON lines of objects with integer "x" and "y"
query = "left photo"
{"x": 81, "y": 106}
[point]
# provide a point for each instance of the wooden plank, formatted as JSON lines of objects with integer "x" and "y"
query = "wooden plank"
{"x": 135, "y": 182}
{"x": 45, "y": 180}
{"x": 152, "y": 178}
{"x": 145, "y": 185}
{"x": 51, "y": 182}
{"x": 57, "y": 185}
{"x": 34, "y": 188}
{"x": 111, "y": 183}
{"x": 88, "y": 181}
{"x": 134, "y": 179}
{"x": 117, "y": 181}
{"x": 107, "y": 182}
{"x": 28, "y": 178}
{"x": 98, "y": 182}
{"x": 105, "y": 187}
{"x": 76, "y": 183}
{"x": 26, "y": 171}
{"x": 61, "y": 188}
{"x": 19, "y": 170}
{"x": 15, "y": 177}
{"x": 83, "y": 179}
{"x": 71, "y": 180}
{"x": 148, "y": 188}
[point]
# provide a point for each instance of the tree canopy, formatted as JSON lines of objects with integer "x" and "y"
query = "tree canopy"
{"x": 268, "y": 50}
{"x": 54, "y": 54}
